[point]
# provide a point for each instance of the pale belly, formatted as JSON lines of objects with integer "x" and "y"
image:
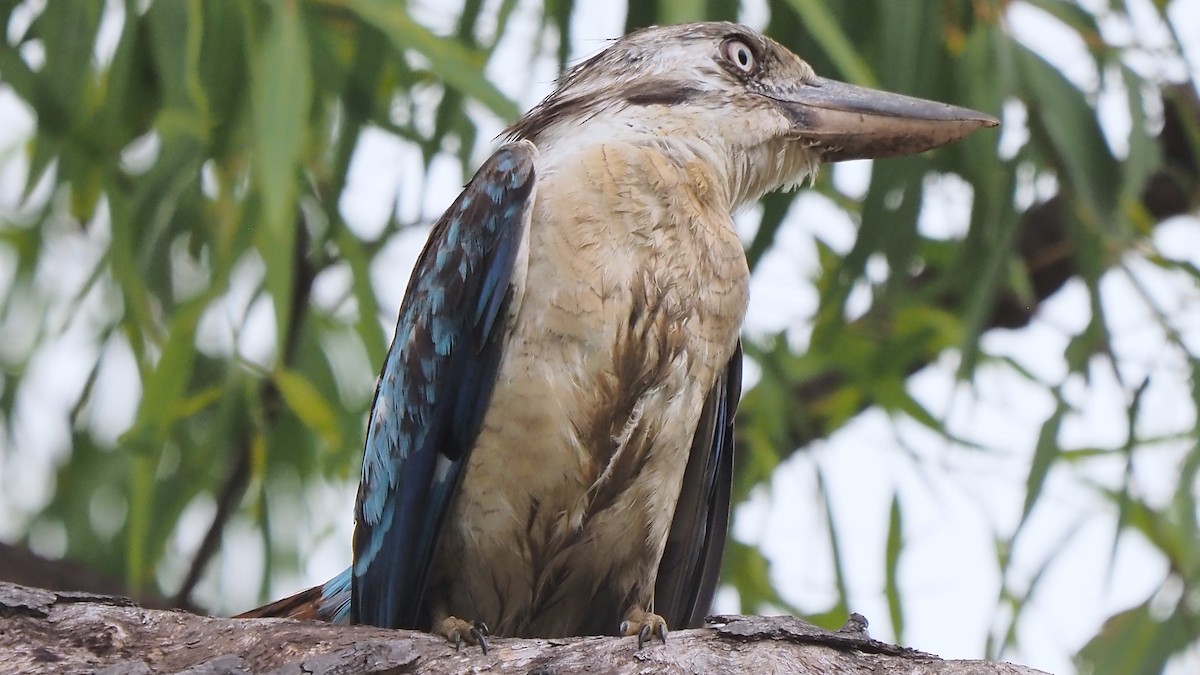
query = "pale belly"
{"x": 561, "y": 519}
{"x": 570, "y": 491}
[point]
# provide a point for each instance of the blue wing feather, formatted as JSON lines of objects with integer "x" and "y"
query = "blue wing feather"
{"x": 691, "y": 562}
{"x": 435, "y": 387}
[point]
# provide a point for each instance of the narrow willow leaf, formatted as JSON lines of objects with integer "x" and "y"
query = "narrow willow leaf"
{"x": 723, "y": 10}
{"x": 282, "y": 97}
{"x": 775, "y": 207}
{"x": 1128, "y": 450}
{"x": 558, "y": 13}
{"x": 1137, "y": 641}
{"x": 639, "y": 15}
{"x": 914, "y": 410}
{"x": 462, "y": 68}
{"x": 165, "y": 383}
{"x": 989, "y": 260}
{"x": 68, "y": 30}
{"x": 1076, "y": 17}
{"x": 891, "y": 566}
{"x": 176, "y": 32}
{"x": 682, "y": 11}
{"x": 1044, "y": 455}
{"x": 138, "y": 560}
{"x": 909, "y": 48}
{"x": 1144, "y": 157}
{"x": 367, "y": 325}
{"x": 15, "y": 73}
{"x": 1066, "y": 125}
{"x": 502, "y": 16}
{"x": 309, "y": 406}
{"x": 128, "y": 102}
{"x": 816, "y": 16}
{"x": 839, "y": 563}
{"x": 1021, "y": 601}
{"x": 748, "y": 571}
{"x": 1183, "y": 510}
{"x": 222, "y": 72}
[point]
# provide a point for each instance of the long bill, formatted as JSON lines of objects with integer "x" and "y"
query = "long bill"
{"x": 845, "y": 121}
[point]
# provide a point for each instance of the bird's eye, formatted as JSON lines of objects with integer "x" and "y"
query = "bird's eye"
{"x": 739, "y": 54}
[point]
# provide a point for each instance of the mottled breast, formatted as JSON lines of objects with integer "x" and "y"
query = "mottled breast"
{"x": 635, "y": 292}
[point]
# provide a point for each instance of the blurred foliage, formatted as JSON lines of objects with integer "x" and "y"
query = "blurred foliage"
{"x": 205, "y": 159}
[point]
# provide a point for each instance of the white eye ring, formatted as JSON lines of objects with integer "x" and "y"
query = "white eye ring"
{"x": 739, "y": 54}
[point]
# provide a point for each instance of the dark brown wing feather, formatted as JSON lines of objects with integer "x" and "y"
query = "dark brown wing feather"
{"x": 691, "y": 562}
{"x": 304, "y": 605}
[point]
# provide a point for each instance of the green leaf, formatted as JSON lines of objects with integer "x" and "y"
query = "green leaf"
{"x": 1066, "y": 126}
{"x": 775, "y": 207}
{"x": 176, "y": 33}
{"x": 282, "y": 100}
{"x": 682, "y": 11}
{"x": 129, "y": 102}
{"x": 835, "y": 547}
{"x": 1076, "y": 17}
{"x": 748, "y": 571}
{"x": 1144, "y": 154}
{"x": 222, "y": 72}
{"x": 15, "y": 73}
{"x": 165, "y": 382}
{"x": 1044, "y": 455}
{"x": 891, "y": 563}
{"x": 309, "y": 406}
{"x": 1137, "y": 641}
{"x": 68, "y": 30}
{"x": 818, "y": 19}
{"x": 909, "y": 46}
{"x": 638, "y": 15}
{"x": 461, "y": 67}
{"x": 367, "y": 325}
{"x": 1021, "y": 601}
{"x": 1182, "y": 512}
{"x": 141, "y": 514}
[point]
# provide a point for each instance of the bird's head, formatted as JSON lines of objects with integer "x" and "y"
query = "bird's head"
{"x": 738, "y": 100}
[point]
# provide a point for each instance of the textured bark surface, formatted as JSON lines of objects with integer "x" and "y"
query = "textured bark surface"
{"x": 56, "y": 632}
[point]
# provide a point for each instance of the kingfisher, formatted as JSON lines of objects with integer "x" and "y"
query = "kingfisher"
{"x": 550, "y": 448}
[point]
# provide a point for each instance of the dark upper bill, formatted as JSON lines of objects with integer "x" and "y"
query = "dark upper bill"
{"x": 849, "y": 122}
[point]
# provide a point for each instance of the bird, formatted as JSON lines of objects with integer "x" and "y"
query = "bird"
{"x": 550, "y": 447}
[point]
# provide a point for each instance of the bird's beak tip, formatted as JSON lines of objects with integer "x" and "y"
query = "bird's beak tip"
{"x": 984, "y": 120}
{"x": 849, "y": 122}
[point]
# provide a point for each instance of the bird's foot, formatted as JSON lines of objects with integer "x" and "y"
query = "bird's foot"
{"x": 644, "y": 624}
{"x": 458, "y": 631}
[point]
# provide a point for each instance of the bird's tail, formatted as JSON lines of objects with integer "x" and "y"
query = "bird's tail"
{"x": 304, "y": 605}
{"x": 328, "y": 602}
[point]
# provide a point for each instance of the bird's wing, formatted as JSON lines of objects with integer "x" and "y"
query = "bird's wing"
{"x": 691, "y": 562}
{"x": 436, "y": 383}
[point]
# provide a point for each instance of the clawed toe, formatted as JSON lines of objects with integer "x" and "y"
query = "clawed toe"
{"x": 458, "y": 631}
{"x": 479, "y": 632}
{"x": 644, "y": 624}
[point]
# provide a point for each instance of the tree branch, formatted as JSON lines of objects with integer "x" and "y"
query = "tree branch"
{"x": 77, "y": 632}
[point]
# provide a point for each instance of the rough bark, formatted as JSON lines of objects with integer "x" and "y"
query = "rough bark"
{"x": 21, "y": 566}
{"x": 61, "y": 632}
